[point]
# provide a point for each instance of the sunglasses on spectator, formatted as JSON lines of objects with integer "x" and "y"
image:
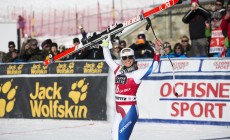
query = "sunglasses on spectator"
{"x": 184, "y": 40}
{"x": 177, "y": 48}
{"x": 126, "y": 57}
{"x": 11, "y": 46}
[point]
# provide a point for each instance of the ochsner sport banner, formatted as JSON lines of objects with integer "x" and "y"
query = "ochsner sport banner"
{"x": 204, "y": 93}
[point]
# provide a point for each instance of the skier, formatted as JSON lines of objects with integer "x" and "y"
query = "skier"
{"x": 127, "y": 80}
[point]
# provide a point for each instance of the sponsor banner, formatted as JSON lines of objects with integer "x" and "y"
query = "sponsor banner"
{"x": 200, "y": 100}
{"x": 65, "y": 67}
{"x": 144, "y": 64}
{"x": 180, "y": 65}
{"x": 54, "y": 97}
{"x": 216, "y": 65}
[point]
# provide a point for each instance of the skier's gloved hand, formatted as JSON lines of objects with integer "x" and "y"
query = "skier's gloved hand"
{"x": 106, "y": 43}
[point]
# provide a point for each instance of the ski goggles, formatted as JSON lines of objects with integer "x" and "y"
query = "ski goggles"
{"x": 126, "y": 57}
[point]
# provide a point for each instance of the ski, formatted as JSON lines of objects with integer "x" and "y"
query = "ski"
{"x": 112, "y": 30}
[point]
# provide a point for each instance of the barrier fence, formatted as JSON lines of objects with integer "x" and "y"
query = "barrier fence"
{"x": 85, "y": 90}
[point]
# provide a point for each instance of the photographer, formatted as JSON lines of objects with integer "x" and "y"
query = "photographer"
{"x": 196, "y": 17}
{"x": 225, "y": 26}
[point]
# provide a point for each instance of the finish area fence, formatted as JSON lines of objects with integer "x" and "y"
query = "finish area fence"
{"x": 84, "y": 90}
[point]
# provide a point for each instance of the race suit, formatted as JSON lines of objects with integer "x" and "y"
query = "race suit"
{"x": 125, "y": 97}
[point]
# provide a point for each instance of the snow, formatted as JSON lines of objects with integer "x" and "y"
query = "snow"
{"x": 47, "y": 129}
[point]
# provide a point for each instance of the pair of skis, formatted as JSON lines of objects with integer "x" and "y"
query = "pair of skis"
{"x": 112, "y": 30}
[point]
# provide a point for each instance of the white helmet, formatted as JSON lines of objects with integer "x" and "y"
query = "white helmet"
{"x": 126, "y": 52}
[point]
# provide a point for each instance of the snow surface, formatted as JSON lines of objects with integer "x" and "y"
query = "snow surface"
{"x": 32, "y": 129}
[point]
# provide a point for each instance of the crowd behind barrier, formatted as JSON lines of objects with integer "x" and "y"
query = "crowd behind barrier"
{"x": 209, "y": 33}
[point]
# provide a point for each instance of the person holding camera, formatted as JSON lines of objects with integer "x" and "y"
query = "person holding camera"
{"x": 196, "y": 17}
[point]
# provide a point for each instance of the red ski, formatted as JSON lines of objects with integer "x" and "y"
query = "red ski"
{"x": 112, "y": 30}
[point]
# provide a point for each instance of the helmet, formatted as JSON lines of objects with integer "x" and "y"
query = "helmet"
{"x": 126, "y": 52}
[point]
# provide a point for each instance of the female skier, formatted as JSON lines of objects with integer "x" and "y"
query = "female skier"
{"x": 127, "y": 80}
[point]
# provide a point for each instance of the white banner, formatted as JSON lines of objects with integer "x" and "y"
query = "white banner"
{"x": 200, "y": 100}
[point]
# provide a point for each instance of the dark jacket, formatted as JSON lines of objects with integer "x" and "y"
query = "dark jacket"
{"x": 139, "y": 49}
{"x": 196, "y": 20}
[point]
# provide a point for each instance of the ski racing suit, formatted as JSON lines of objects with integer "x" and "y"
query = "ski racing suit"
{"x": 125, "y": 97}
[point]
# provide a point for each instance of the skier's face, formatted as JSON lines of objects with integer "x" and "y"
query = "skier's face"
{"x": 127, "y": 61}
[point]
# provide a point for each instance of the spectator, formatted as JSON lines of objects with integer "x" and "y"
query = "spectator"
{"x": 123, "y": 44}
{"x": 61, "y": 49}
{"x": 84, "y": 35}
{"x": 24, "y": 53}
{"x": 196, "y": 18}
{"x": 95, "y": 53}
{"x": 81, "y": 54}
{"x": 167, "y": 50}
{"x": 186, "y": 46}
{"x": 21, "y": 25}
{"x": 214, "y": 32}
{"x": 46, "y": 48}
{"x": 54, "y": 49}
{"x": 8, "y": 57}
{"x": 141, "y": 48}
{"x": 2, "y": 54}
{"x": 34, "y": 51}
{"x": 15, "y": 56}
{"x": 225, "y": 26}
{"x": 115, "y": 51}
{"x": 178, "y": 51}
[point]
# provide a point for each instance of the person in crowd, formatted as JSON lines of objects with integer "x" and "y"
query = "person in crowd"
{"x": 167, "y": 50}
{"x": 34, "y": 51}
{"x": 115, "y": 51}
{"x": 225, "y": 26}
{"x": 24, "y": 53}
{"x": 2, "y": 54}
{"x": 16, "y": 57}
{"x": 186, "y": 45}
{"x": 178, "y": 51}
{"x": 95, "y": 52}
{"x": 21, "y": 25}
{"x": 54, "y": 49}
{"x": 84, "y": 35}
{"x": 61, "y": 49}
{"x": 127, "y": 80}
{"x": 8, "y": 57}
{"x": 141, "y": 48}
{"x": 196, "y": 17}
{"x": 46, "y": 48}
{"x": 123, "y": 44}
{"x": 81, "y": 54}
{"x": 214, "y": 32}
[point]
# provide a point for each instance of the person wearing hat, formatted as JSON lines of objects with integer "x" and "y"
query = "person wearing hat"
{"x": 127, "y": 80}
{"x": 167, "y": 50}
{"x": 217, "y": 42}
{"x": 8, "y": 57}
{"x": 141, "y": 47}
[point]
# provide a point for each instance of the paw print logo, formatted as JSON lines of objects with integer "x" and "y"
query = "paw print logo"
{"x": 7, "y": 99}
{"x": 71, "y": 65}
{"x": 100, "y": 65}
{"x": 78, "y": 91}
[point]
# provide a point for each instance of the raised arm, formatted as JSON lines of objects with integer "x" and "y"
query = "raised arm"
{"x": 141, "y": 73}
{"x": 107, "y": 55}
